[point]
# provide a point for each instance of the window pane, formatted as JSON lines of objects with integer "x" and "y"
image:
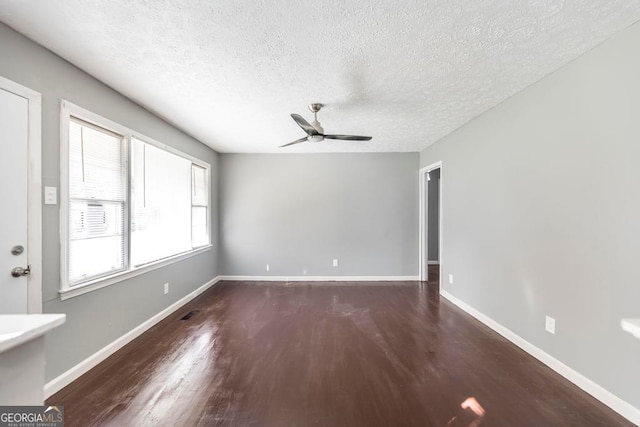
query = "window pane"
{"x": 95, "y": 257}
{"x": 97, "y": 190}
{"x": 96, "y": 245}
{"x": 161, "y": 204}
{"x": 96, "y": 166}
{"x": 199, "y": 226}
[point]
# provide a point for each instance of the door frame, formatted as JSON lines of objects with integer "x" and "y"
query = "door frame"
{"x": 423, "y": 249}
{"x": 34, "y": 197}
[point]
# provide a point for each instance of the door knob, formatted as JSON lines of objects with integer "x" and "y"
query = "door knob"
{"x": 19, "y": 271}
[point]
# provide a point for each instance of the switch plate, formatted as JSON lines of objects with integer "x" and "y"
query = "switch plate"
{"x": 550, "y": 324}
{"x": 451, "y": 279}
{"x": 268, "y": 267}
{"x": 50, "y": 195}
{"x": 335, "y": 262}
{"x": 166, "y": 288}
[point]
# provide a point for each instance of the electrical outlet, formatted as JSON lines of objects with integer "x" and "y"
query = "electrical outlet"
{"x": 335, "y": 262}
{"x": 166, "y": 288}
{"x": 451, "y": 279}
{"x": 550, "y": 324}
{"x": 267, "y": 267}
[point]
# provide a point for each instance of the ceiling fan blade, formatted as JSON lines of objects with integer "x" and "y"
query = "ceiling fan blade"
{"x": 305, "y": 125}
{"x": 295, "y": 142}
{"x": 349, "y": 137}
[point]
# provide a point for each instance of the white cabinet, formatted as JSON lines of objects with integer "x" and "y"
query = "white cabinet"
{"x": 22, "y": 361}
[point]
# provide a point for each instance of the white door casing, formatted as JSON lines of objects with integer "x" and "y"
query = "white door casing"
{"x": 20, "y": 198}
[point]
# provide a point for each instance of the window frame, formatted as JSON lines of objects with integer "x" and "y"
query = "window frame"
{"x": 67, "y": 111}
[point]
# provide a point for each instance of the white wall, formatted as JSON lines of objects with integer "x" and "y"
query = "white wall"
{"x": 541, "y": 199}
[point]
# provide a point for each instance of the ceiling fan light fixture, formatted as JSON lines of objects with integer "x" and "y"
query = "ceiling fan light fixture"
{"x": 315, "y": 138}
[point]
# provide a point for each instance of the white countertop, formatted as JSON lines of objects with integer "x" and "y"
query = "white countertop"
{"x": 632, "y": 326}
{"x": 16, "y": 329}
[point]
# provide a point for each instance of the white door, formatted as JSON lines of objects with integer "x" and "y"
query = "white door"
{"x": 14, "y": 138}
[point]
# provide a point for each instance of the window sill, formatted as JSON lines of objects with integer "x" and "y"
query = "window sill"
{"x": 125, "y": 275}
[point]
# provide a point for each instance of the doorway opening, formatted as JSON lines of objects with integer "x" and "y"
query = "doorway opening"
{"x": 431, "y": 224}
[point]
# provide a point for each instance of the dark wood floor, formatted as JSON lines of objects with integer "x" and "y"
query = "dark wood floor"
{"x": 325, "y": 354}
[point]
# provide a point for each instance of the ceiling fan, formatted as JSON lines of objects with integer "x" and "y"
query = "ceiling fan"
{"x": 315, "y": 132}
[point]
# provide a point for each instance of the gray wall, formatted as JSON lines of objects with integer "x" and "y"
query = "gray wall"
{"x": 532, "y": 226}
{"x": 432, "y": 215}
{"x": 298, "y": 212}
{"x": 97, "y": 318}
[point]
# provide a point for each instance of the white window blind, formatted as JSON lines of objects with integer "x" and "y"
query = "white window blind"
{"x": 97, "y": 197}
{"x": 169, "y": 204}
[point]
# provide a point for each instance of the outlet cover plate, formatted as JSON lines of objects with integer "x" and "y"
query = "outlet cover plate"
{"x": 50, "y": 195}
{"x": 550, "y": 324}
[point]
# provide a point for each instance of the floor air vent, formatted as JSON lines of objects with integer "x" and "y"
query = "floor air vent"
{"x": 190, "y": 314}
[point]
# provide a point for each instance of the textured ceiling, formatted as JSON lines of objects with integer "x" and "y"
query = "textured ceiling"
{"x": 407, "y": 73}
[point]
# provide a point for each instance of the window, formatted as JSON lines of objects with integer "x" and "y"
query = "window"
{"x": 128, "y": 203}
{"x": 97, "y": 198}
{"x": 163, "y": 193}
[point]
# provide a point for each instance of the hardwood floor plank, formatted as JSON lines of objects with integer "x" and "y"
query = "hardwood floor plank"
{"x": 326, "y": 354}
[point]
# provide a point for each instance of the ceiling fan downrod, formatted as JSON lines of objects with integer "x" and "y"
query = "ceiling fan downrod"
{"x": 314, "y": 108}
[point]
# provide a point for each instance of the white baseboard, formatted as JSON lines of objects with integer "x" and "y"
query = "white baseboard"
{"x": 75, "y": 372}
{"x": 603, "y": 395}
{"x": 320, "y": 278}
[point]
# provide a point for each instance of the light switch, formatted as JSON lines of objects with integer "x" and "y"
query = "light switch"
{"x": 50, "y": 196}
